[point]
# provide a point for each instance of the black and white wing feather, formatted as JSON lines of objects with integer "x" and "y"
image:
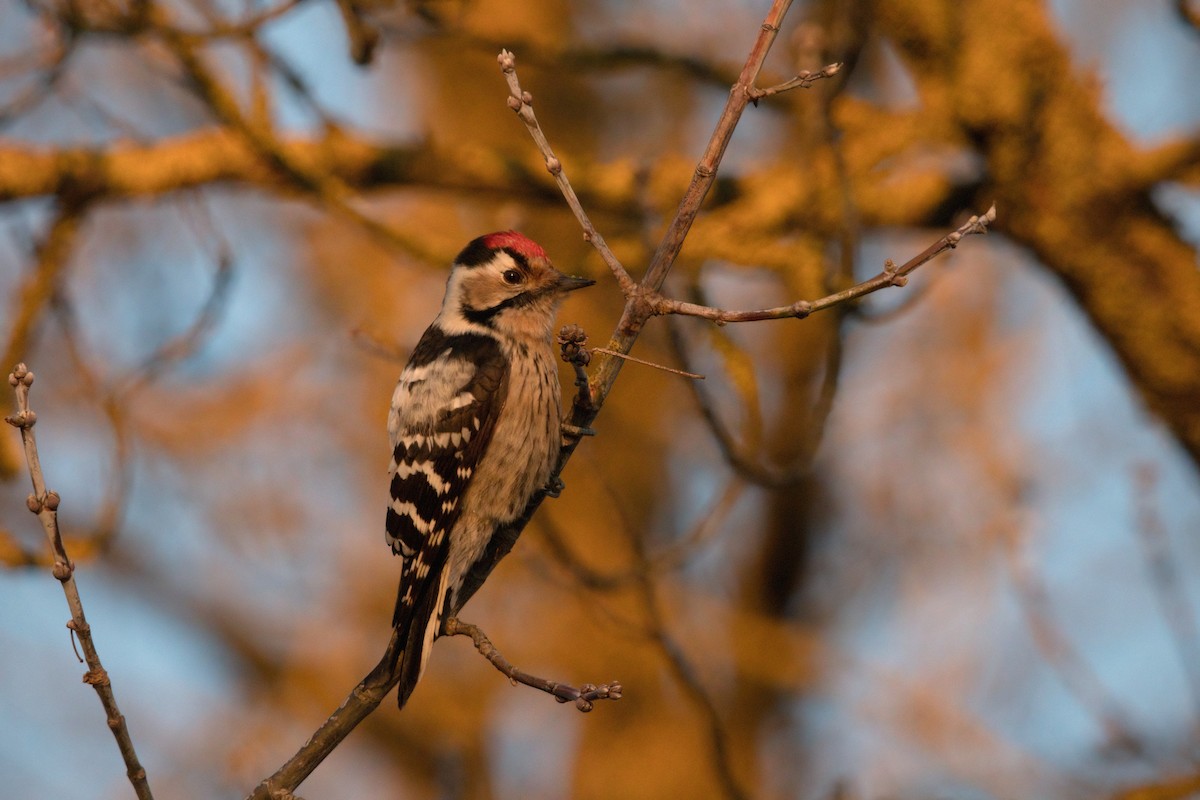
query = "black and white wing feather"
{"x": 443, "y": 413}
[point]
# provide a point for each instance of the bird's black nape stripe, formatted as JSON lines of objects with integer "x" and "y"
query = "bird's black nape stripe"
{"x": 471, "y": 346}
{"x": 485, "y": 316}
{"x": 477, "y": 253}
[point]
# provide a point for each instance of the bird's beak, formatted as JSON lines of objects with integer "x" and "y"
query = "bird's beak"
{"x": 569, "y": 283}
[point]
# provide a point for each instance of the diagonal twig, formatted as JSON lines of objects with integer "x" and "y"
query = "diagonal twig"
{"x": 891, "y": 275}
{"x": 44, "y": 503}
{"x": 583, "y": 697}
{"x": 521, "y": 102}
{"x": 358, "y": 705}
{"x": 804, "y": 80}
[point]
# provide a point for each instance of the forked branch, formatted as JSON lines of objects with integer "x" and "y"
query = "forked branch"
{"x": 365, "y": 697}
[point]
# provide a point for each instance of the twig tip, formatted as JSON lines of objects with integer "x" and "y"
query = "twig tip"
{"x": 20, "y": 375}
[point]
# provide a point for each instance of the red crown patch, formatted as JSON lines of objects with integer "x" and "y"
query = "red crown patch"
{"x": 517, "y": 242}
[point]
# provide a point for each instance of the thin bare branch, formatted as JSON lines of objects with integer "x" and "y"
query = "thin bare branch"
{"x": 522, "y": 103}
{"x": 44, "y": 503}
{"x": 358, "y": 705}
{"x": 891, "y": 275}
{"x": 804, "y": 80}
{"x": 583, "y": 697}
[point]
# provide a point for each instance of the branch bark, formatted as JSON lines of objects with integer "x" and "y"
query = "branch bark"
{"x": 584, "y": 697}
{"x": 44, "y": 503}
{"x": 358, "y": 705}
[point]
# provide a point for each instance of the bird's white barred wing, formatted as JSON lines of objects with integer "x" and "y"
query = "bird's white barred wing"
{"x": 443, "y": 413}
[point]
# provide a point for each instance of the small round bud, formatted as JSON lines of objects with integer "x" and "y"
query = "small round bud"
{"x": 954, "y": 238}
{"x": 507, "y": 61}
{"x": 527, "y": 98}
{"x": 802, "y": 74}
{"x": 52, "y": 500}
{"x": 514, "y": 103}
{"x": 12, "y": 379}
{"x": 572, "y": 333}
{"x": 553, "y": 165}
{"x": 62, "y": 571}
{"x": 27, "y": 378}
{"x": 33, "y": 504}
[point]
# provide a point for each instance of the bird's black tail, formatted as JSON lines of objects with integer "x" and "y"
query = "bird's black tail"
{"x": 415, "y": 626}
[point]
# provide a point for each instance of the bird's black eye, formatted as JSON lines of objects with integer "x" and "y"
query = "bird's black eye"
{"x": 511, "y": 277}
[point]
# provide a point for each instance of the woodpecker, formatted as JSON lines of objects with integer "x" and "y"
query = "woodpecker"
{"x": 475, "y": 430}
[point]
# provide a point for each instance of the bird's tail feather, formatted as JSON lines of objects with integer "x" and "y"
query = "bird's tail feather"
{"x": 423, "y": 623}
